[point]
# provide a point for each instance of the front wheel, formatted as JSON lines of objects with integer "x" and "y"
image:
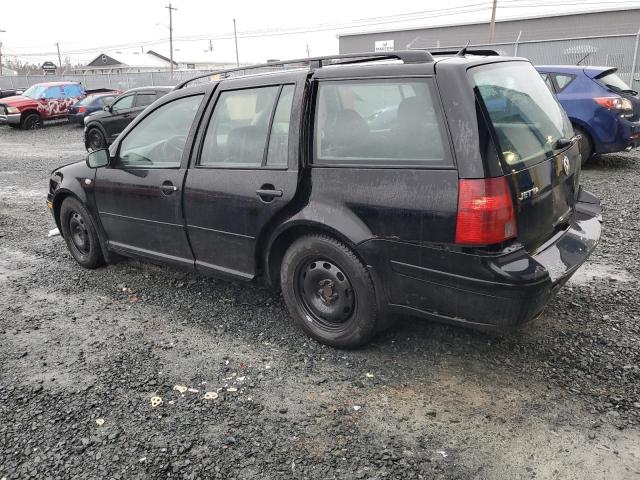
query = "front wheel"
{"x": 95, "y": 139}
{"x": 80, "y": 233}
{"x": 329, "y": 292}
{"x": 31, "y": 121}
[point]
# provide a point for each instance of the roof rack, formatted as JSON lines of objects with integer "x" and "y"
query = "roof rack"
{"x": 470, "y": 51}
{"x": 407, "y": 56}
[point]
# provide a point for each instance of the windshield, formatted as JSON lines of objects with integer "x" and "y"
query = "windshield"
{"x": 34, "y": 92}
{"x": 614, "y": 82}
{"x": 526, "y": 117}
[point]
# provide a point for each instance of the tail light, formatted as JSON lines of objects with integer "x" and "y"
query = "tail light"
{"x": 618, "y": 104}
{"x": 81, "y": 109}
{"x": 485, "y": 212}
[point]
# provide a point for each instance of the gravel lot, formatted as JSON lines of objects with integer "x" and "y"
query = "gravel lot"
{"x": 83, "y": 352}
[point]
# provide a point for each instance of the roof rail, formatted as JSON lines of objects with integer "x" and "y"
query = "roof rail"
{"x": 467, "y": 51}
{"x": 407, "y": 56}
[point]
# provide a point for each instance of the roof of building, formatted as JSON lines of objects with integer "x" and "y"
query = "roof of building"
{"x": 131, "y": 60}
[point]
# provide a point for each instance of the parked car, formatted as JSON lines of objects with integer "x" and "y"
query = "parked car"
{"x": 475, "y": 218}
{"x": 102, "y": 127}
{"x": 602, "y": 108}
{"x": 41, "y": 102}
{"x": 91, "y": 103}
{"x": 10, "y": 92}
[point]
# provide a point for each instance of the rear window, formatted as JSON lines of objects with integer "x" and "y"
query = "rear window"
{"x": 613, "y": 82}
{"x": 525, "y": 115}
{"x": 379, "y": 122}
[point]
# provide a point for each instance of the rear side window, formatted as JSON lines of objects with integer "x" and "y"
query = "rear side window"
{"x": 378, "y": 122}
{"x": 72, "y": 90}
{"x": 144, "y": 99}
{"x": 526, "y": 117}
{"x": 279, "y": 137}
{"x": 563, "y": 80}
{"x": 237, "y": 132}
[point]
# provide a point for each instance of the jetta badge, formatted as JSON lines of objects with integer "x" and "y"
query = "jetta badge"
{"x": 566, "y": 165}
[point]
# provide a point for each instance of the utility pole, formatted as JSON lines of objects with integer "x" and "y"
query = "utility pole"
{"x": 171, "y": 9}
{"x": 59, "y": 58}
{"x": 1, "y": 31}
{"x": 308, "y": 51}
{"x": 492, "y": 28}
{"x": 235, "y": 36}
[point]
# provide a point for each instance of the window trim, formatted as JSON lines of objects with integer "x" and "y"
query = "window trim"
{"x": 115, "y": 159}
{"x": 263, "y": 165}
{"x": 429, "y": 80}
{"x": 116, "y": 112}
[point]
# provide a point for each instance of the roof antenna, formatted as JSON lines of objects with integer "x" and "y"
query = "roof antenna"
{"x": 463, "y": 50}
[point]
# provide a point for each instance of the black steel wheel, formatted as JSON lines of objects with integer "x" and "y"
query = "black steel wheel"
{"x": 329, "y": 292}
{"x": 80, "y": 234}
{"x": 31, "y": 121}
{"x": 95, "y": 139}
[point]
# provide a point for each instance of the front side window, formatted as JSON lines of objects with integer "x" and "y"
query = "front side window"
{"x": 54, "y": 93}
{"x": 159, "y": 139}
{"x": 378, "y": 122}
{"x": 526, "y": 117}
{"x": 237, "y": 132}
{"x": 124, "y": 103}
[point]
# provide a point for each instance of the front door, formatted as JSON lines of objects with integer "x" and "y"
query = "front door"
{"x": 139, "y": 195}
{"x": 245, "y": 172}
{"x": 121, "y": 116}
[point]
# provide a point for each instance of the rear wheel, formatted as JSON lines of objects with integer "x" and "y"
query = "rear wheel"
{"x": 31, "y": 121}
{"x": 80, "y": 233}
{"x": 95, "y": 139}
{"x": 585, "y": 145}
{"x": 329, "y": 292}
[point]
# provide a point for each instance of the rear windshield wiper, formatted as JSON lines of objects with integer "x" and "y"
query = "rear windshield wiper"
{"x": 622, "y": 90}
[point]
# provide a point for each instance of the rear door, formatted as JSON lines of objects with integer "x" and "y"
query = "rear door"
{"x": 243, "y": 173}
{"x": 531, "y": 132}
{"x": 139, "y": 195}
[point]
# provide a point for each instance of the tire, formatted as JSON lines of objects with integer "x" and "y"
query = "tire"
{"x": 31, "y": 121}
{"x": 79, "y": 231}
{"x": 585, "y": 145}
{"x": 329, "y": 292}
{"x": 95, "y": 139}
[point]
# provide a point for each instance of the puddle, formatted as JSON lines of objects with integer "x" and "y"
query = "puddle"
{"x": 589, "y": 273}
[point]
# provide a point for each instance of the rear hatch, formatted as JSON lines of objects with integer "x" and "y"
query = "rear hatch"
{"x": 533, "y": 136}
{"x": 610, "y": 80}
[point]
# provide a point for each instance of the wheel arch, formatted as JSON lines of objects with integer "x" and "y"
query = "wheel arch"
{"x": 61, "y": 195}
{"x": 281, "y": 239}
{"x": 100, "y": 127}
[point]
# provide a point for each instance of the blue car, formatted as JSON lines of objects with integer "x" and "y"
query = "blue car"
{"x": 90, "y": 104}
{"x": 601, "y": 106}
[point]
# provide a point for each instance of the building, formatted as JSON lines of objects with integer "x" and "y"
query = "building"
{"x": 149, "y": 61}
{"x": 604, "y": 37}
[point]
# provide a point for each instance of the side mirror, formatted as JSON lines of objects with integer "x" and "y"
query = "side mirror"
{"x": 98, "y": 158}
{"x": 107, "y": 108}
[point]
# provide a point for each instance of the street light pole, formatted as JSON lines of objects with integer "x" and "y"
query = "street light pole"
{"x": 59, "y": 58}
{"x": 171, "y": 9}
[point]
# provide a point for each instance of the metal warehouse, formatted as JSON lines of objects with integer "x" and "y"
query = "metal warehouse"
{"x": 607, "y": 37}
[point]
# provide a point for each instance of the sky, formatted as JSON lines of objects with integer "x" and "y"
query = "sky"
{"x": 266, "y": 30}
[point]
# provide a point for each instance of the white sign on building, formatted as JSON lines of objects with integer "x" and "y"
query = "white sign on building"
{"x": 383, "y": 45}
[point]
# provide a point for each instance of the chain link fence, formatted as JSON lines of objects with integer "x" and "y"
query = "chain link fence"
{"x": 619, "y": 51}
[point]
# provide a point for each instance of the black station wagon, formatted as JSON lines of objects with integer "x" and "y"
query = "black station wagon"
{"x": 439, "y": 185}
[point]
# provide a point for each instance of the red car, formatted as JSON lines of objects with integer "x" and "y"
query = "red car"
{"x": 41, "y": 102}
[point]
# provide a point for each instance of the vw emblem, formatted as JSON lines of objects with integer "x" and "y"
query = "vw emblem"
{"x": 566, "y": 165}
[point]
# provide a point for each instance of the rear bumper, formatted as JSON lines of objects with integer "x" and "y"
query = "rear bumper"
{"x": 627, "y": 137}
{"x": 495, "y": 292}
{"x": 10, "y": 119}
{"x": 76, "y": 118}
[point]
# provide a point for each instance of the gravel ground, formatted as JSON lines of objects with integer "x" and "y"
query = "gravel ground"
{"x": 82, "y": 353}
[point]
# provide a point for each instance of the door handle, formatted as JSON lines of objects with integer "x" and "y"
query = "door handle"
{"x": 268, "y": 192}
{"x": 168, "y": 188}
